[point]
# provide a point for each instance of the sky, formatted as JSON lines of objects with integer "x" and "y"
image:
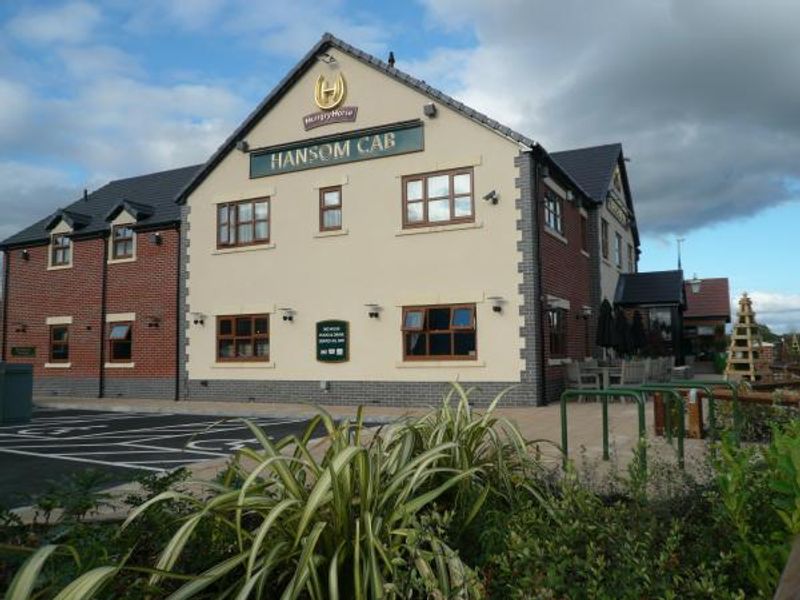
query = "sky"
{"x": 703, "y": 95}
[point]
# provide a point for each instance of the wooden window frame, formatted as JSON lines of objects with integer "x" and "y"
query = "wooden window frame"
{"x": 584, "y": 226}
{"x": 557, "y": 332}
{"x": 112, "y": 342}
{"x": 323, "y": 208}
{"x": 604, "y": 241}
{"x": 554, "y": 210}
{"x": 128, "y": 238}
{"x": 631, "y": 260}
{"x": 253, "y": 337}
{"x": 618, "y": 249}
{"x": 65, "y": 249}
{"x": 425, "y": 200}
{"x": 54, "y": 343}
{"x": 452, "y": 330}
{"x": 234, "y": 223}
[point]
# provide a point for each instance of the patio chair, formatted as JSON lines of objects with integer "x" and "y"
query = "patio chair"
{"x": 631, "y": 373}
{"x": 581, "y": 380}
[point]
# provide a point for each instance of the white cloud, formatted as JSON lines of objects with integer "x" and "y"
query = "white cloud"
{"x": 69, "y": 23}
{"x": 16, "y": 102}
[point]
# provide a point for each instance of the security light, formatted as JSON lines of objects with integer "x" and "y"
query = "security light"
{"x": 429, "y": 110}
{"x": 242, "y": 146}
{"x": 26, "y": 255}
{"x": 492, "y": 197}
{"x": 326, "y": 58}
{"x": 155, "y": 239}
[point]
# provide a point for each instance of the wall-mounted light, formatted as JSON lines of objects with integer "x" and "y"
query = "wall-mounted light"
{"x": 429, "y": 110}
{"x": 374, "y": 310}
{"x": 288, "y": 314}
{"x": 586, "y": 312}
{"x": 570, "y": 195}
{"x": 198, "y": 319}
{"x": 242, "y": 146}
{"x": 545, "y": 171}
{"x": 155, "y": 238}
{"x": 324, "y": 386}
{"x": 695, "y": 284}
{"x": 326, "y": 58}
{"x": 20, "y": 328}
{"x": 492, "y": 197}
{"x": 497, "y": 303}
{"x": 153, "y": 321}
{"x": 26, "y": 255}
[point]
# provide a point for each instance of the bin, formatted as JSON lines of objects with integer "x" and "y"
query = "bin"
{"x": 16, "y": 393}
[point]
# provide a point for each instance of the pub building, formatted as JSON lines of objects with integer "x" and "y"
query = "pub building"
{"x": 360, "y": 238}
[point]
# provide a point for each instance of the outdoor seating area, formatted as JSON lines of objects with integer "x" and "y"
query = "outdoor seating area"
{"x": 591, "y": 374}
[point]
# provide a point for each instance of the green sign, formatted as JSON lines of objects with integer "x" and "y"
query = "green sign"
{"x": 28, "y": 351}
{"x": 377, "y": 142}
{"x": 333, "y": 341}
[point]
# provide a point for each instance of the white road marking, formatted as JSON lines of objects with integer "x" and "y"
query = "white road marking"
{"x": 83, "y": 460}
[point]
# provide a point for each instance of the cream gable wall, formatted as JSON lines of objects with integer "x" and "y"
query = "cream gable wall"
{"x": 373, "y": 260}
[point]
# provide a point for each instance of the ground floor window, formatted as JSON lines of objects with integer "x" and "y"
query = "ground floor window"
{"x": 442, "y": 332}
{"x": 243, "y": 337}
{"x": 59, "y": 343}
{"x": 120, "y": 341}
{"x": 557, "y": 331}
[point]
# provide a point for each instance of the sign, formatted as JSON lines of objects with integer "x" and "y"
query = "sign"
{"x": 338, "y": 115}
{"x": 616, "y": 208}
{"x": 328, "y": 96}
{"x": 27, "y": 351}
{"x": 332, "y": 341}
{"x": 377, "y": 142}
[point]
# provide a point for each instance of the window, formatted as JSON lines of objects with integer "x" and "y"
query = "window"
{"x": 243, "y": 338}
{"x": 618, "y": 250}
{"x": 59, "y": 343}
{"x": 438, "y": 198}
{"x": 243, "y": 223}
{"x": 122, "y": 242}
{"x": 553, "y": 211}
{"x": 330, "y": 208}
{"x": 557, "y": 328}
{"x": 584, "y": 233}
{"x": 60, "y": 251}
{"x": 631, "y": 259}
{"x": 120, "y": 339}
{"x": 604, "y": 237}
{"x": 439, "y": 332}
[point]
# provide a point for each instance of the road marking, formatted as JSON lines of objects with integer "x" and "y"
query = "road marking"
{"x": 83, "y": 460}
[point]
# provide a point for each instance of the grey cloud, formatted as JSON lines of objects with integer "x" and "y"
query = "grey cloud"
{"x": 703, "y": 94}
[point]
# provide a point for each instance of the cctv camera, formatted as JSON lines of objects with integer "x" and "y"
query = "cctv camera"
{"x": 491, "y": 197}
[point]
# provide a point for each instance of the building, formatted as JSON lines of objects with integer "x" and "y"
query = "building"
{"x": 360, "y": 237}
{"x": 708, "y": 312}
{"x": 91, "y": 292}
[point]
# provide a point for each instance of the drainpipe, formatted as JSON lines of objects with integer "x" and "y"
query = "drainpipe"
{"x": 179, "y": 317}
{"x": 6, "y": 271}
{"x": 537, "y": 259}
{"x": 101, "y": 380}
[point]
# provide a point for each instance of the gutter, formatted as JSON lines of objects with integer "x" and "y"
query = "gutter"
{"x": 101, "y": 380}
{"x": 6, "y": 272}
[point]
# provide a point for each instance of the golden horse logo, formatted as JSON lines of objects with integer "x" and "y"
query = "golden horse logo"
{"x": 329, "y": 96}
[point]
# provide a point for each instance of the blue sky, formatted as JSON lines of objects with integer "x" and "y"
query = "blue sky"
{"x": 703, "y": 96}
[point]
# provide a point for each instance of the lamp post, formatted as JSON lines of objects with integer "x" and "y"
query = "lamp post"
{"x": 695, "y": 284}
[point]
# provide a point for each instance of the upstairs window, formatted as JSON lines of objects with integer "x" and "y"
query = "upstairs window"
{"x": 60, "y": 251}
{"x": 122, "y": 242}
{"x": 330, "y": 208}
{"x": 557, "y": 331}
{"x": 445, "y": 332}
{"x": 585, "y": 233}
{"x": 243, "y": 223}
{"x": 120, "y": 342}
{"x": 554, "y": 212}
{"x": 243, "y": 338}
{"x": 438, "y": 198}
{"x": 604, "y": 238}
{"x": 618, "y": 250}
{"x": 59, "y": 343}
{"x": 631, "y": 259}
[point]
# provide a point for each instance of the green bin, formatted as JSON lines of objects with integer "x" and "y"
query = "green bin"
{"x": 16, "y": 393}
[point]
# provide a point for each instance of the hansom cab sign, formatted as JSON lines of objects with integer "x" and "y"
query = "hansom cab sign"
{"x": 333, "y": 343}
{"x": 328, "y": 96}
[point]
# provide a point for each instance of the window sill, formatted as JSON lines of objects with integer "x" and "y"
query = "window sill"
{"x": 439, "y": 228}
{"x": 440, "y": 364}
{"x": 555, "y": 234}
{"x": 332, "y": 233}
{"x": 253, "y": 248}
{"x": 253, "y": 364}
{"x": 120, "y": 365}
{"x": 585, "y": 253}
{"x": 59, "y": 365}
{"x": 59, "y": 267}
{"x": 557, "y": 362}
{"x": 118, "y": 261}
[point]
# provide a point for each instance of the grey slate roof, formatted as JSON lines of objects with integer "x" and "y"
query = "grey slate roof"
{"x": 655, "y": 287}
{"x": 330, "y": 41}
{"x": 591, "y": 167}
{"x": 152, "y": 196}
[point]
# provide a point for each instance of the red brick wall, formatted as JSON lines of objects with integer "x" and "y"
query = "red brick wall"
{"x": 566, "y": 274}
{"x": 146, "y": 286}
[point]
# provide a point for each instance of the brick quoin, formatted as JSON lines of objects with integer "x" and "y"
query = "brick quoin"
{"x": 567, "y": 274}
{"x": 146, "y": 287}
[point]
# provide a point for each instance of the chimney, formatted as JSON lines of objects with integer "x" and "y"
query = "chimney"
{"x": 85, "y": 194}
{"x": 391, "y": 59}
